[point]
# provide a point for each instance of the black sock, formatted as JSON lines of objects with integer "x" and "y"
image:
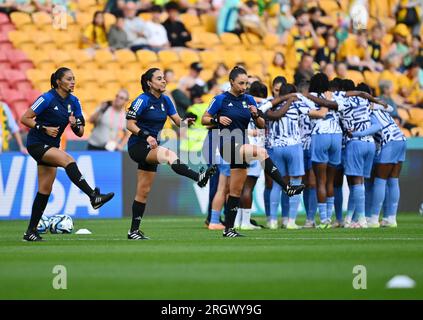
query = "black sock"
{"x": 183, "y": 170}
{"x": 137, "y": 214}
{"x": 38, "y": 207}
{"x": 273, "y": 172}
{"x": 76, "y": 177}
{"x": 231, "y": 209}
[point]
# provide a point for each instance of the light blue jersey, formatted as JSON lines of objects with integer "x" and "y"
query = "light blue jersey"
{"x": 390, "y": 130}
{"x": 327, "y": 125}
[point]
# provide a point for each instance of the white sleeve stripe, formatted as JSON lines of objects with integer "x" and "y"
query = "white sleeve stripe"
{"x": 137, "y": 105}
{"x": 211, "y": 104}
{"x": 37, "y": 103}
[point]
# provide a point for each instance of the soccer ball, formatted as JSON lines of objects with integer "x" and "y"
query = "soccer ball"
{"x": 43, "y": 225}
{"x": 61, "y": 224}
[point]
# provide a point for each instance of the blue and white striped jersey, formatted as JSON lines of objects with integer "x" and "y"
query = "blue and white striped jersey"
{"x": 329, "y": 124}
{"x": 355, "y": 116}
{"x": 390, "y": 130}
{"x": 286, "y": 131}
{"x": 258, "y": 140}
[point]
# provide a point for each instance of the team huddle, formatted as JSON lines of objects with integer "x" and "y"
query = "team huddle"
{"x": 306, "y": 139}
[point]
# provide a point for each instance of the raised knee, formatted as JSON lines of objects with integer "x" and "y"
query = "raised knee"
{"x": 67, "y": 160}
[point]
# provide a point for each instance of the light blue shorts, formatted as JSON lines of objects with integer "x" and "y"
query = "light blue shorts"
{"x": 392, "y": 152}
{"x": 254, "y": 169}
{"x": 326, "y": 148}
{"x": 289, "y": 160}
{"x": 359, "y": 157}
{"x": 224, "y": 167}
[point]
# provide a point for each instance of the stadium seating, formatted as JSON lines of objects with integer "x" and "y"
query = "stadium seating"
{"x": 19, "y": 60}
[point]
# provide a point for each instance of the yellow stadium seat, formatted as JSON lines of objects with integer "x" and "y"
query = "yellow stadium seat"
{"x": 329, "y": 6}
{"x": 21, "y": 20}
{"x": 417, "y": 131}
{"x": 146, "y": 16}
{"x": 251, "y": 58}
{"x": 188, "y": 56}
{"x": 105, "y": 59}
{"x": 209, "y": 22}
{"x": 44, "y": 41}
{"x": 37, "y": 76}
{"x": 372, "y": 79}
{"x": 127, "y": 59}
{"x": 112, "y": 87}
{"x": 251, "y": 41}
{"x": 134, "y": 90}
{"x": 83, "y": 19}
{"x": 87, "y": 5}
{"x": 230, "y": 40}
{"x": 106, "y": 76}
{"x": 190, "y": 20}
{"x": 270, "y": 41}
{"x": 42, "y": 60}
{"x": 85, "y": 96}
{"x": 168, "y": 58}
{"x": 22, "y": 40}
{"x": 210, "y": 59}
{"x": 232, "y": 58}
{"x": 64, "y": 41}
{"x": 416, "y": 116}
{"x": 61, "y": 57}
{"x": 109, "y": 20}
{"x": 403, "y": 113}
{"x": 204, "y": 40}
{"x": 83, "y": 59}
{"x": 42, "y": 20}
{"x": 102, "y": 95}
{"x": 146, "y": 57}
{"x": 355, "y": 76}
{"x": 84, "y": 76}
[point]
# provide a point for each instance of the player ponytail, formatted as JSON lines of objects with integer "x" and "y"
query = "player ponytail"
{"x": 147, "y": 76}
{"x": 235, "y": 72}
{"x": 58, "y": 75}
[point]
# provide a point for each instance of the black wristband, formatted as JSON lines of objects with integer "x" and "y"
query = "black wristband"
{"x": 76, "y": 129}
{"x": 214, "y": 120}
{"x": 39, "y": 127}
{"x": 143, "y": 134}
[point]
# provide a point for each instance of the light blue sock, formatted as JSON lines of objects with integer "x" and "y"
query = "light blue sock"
{"x": 386, "y": 201}
{"x": 368, "y": 184}
{"x": 359, "y": 200}
{"x": 312, "y": 204}
{"x": 351, "y": 204}
{"x": 275, "y": 198}
{"x": 306, "y": 194}
{"x": 266, "y": 196}
{"x": 339, "y": 199}
{"x": 394, "y": 196}
{"x": 285, "y": 205}
{"x": 215, "y": 216}
{"x": 322, "y": 211}
{"x": 294, "y": 201}
{"x": 378, "y": 195}
{"x": 329, "y": 203}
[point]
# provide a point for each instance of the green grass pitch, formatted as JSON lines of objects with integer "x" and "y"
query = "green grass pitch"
{"x": 185, "y": 261}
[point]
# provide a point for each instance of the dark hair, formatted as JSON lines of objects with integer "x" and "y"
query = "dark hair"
{"x": 319, "y": 83}
{"x": 258, "y": 89}
{"x": 303, "y": 85}
{"x": 364, "y": 87}
{"x": 196, "y": 91}
{"x": 58, "y": 75}
{"x": 287, "y": 89}
{"x": 147, "y": 76}
{"x": 103, "y": 26}
{"x": 335, "y": 84}
{"x": 172, "y": 5}
{"x": 347, "y": 85}
{"x": 235, "y": 72}
{"x": 156, "y": 8}
{"x": 279, "y": 79}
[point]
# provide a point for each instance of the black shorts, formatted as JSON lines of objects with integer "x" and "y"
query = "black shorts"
{"x": 230, "y": 152}
{"x": 138, "y": 152}
{"x": 37, "y": 151}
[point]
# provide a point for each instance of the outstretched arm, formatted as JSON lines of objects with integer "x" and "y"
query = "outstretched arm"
{"x": 322, "y": 102}
{"x": 277, "y": 114}
{"x": 367, "y": 96}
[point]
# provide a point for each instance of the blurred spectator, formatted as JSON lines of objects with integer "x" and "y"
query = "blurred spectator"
{"x": 117, "y": 7}
{"x": 219, "y": 79}
{"x": 285, "y": 20}
{"x": 154, "y": 31}
{"x": 8, "y": 127}
{"x": 134, "y": 27}
{"x": 194, "y": 76}
{"x": 7, "y": 6}
{"x": 354, "y": 52}
{"x": 228, "y": 19}
{"x": 278, "y": 67}
{"x": 413, "y": 91}
{"x": 170, "y": 78}
{"x": 377, "y": 50}
{"x": 109, "y": 122}
{"x": 305, "y": 70}
{"x": 390, "y": 73}
{"x": 327, "y": 54}
{"x": 315, "y": 14}
{"x": 415, "y": 52}
{"x": 385, "y": 88}
{"x": 177, "y": 33}
{"x": 408, "y": 12}
{"x": 24, "y": 6}
{"x": 329, "y": 70}
{"x": 94, "y": 35}
{"x": 117, "y": 37}
{"x": 399, "y": 44}
{"x": 342, "y": 70}
{"x": 250, "y": 20}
